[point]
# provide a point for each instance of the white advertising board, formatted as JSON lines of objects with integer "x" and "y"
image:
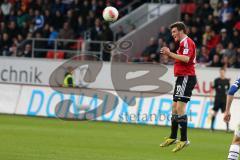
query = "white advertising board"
{"x": 38, "y": 71}
{"x": 9, "y": 96}
{"x": 41, "y": 101}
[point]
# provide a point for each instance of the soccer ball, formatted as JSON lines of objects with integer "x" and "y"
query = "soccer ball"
{"x": 110, "y": 14}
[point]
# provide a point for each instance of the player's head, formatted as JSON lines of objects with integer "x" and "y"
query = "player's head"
{"x": 178, "y": 30}
{"x": 222, "y": 72}
{"x": 70, "y": 69}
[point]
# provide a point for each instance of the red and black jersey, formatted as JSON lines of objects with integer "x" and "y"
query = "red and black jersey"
{"x": 187, "y": 47}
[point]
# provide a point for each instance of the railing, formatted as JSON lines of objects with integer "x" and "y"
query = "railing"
{"x": 138, "y": 17}
{"x": 146, "y": 17}
{"x": 129, "y": 7}
{"x": 70, "y": 47}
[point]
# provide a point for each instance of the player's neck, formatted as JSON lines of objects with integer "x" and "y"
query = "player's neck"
{"x": 184, "y": 36}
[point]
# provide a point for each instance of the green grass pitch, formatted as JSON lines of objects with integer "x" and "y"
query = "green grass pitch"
{"x": 29, "y": 138}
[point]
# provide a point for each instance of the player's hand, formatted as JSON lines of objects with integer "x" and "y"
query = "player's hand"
{"x": 227, "y": 116}
{"x": 165, "y": 50}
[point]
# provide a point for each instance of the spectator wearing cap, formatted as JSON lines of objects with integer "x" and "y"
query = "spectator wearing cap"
{"x": 224, "y": 38}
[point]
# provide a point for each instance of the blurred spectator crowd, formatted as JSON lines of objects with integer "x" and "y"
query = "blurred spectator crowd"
{"x": 50, "y": 19}
{"x": 214, "y": 25}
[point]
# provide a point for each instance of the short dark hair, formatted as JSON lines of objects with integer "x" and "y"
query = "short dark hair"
{"x": 222, "y": 69}
{"x": 179, "y": 25}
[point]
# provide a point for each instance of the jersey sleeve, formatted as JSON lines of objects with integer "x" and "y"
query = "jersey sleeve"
{"x": 214, "y": 84}
{"x": 188, "y": 48}
{"x": 234, "y": 87}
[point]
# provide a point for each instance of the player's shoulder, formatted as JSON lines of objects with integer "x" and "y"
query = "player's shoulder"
{"x": 189, "y": 40}
{"x": 216, "y": 79}
{"x": 238, "y": 79}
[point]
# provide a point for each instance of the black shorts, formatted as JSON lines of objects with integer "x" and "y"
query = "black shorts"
{"x": 219, "y": 104}
{"x": 184, "y": 86}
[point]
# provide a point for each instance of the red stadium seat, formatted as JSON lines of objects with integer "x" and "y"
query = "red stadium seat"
{"x": 51, "y": 54}
{"x": 188, "y": 8}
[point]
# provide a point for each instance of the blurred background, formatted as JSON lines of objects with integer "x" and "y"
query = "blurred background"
{"x": 38, "y": 40}
{"x": 64, "y": 28}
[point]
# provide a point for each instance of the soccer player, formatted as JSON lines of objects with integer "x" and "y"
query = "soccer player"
{"x": 234, "y": 148}
{"x": 221, "y": 86}
{"x": 184, "y": 71}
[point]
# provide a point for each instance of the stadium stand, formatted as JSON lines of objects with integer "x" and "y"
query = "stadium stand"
{"x": 218, "y": 40}
{"x": 49, "y": 19}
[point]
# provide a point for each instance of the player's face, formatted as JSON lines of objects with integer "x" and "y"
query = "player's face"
{"x": 222, "y": 73}
{"x": 175, "y": 34}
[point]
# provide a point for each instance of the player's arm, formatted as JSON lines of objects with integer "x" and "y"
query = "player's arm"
{"x": 213, "y": 87}
{"x": 233, "y": 89}
{"x": 183, "y": 58}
